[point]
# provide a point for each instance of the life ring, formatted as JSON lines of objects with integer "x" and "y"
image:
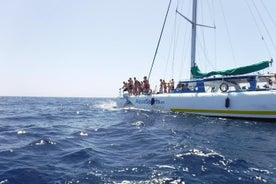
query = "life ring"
{"x": 223, "y": 87}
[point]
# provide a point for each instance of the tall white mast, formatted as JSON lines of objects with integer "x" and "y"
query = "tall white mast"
{"x": 193, "y": 46}
{"x": 194, "y": 25}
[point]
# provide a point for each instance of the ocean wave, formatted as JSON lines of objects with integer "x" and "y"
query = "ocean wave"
{"x": 88, "y": 140}
{"x": 24, "y": 175}
{"x": 164, "y": 180}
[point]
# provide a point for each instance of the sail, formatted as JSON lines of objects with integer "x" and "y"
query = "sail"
{"x": 235, "y": 71}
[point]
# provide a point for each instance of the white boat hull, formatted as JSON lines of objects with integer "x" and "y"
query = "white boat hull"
{"x": 247, "y": 104}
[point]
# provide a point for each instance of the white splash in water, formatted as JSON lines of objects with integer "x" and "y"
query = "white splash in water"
{"x": 19, "y": 132}
{"x": 83, "y": 134}
{"x": 166, "y": 166}
{"x": 154, "y": 180}
{"x": 41, "y": 142}
{"x": 107, "y": 105}
{"x": 138, "y": 123}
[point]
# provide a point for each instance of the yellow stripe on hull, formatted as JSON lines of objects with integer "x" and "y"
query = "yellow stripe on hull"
{"x": 230, "y": 112}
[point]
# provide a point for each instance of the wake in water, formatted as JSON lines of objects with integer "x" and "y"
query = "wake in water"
{"x": 112, "y": 104}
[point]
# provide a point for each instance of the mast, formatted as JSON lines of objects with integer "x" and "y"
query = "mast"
{"x": 193, "y": 44}
{"x": 194, "y": 25}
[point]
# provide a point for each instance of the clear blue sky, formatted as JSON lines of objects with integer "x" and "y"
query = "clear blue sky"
{"x": 86, "y": 48}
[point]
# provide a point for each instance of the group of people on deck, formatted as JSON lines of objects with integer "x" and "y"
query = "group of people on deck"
{"x": 271, "y": 82}
{"x": 166, "y": 87}
{"x": 136, "y": 87}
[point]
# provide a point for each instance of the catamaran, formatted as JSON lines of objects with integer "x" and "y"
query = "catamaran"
{"x": 233, "y": 93}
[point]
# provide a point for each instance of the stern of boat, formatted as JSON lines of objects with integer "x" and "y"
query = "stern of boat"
{"x": 123, "y": 101}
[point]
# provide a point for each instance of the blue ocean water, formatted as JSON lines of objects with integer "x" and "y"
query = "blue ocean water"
{"x": 90, "y": 140}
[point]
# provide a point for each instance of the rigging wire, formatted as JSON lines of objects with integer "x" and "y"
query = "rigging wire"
{"x": 258, "y": 28}
{"x": 168, "y": 58}
{"x": 268, "y": 33}
{"x": 165, "y": 20}
{"x": 228, "y": 33}
{"x": 184, "y": 55}
{"x": 204, "y": 51}
{"x": 212, "y": 9}
{"x": 186, "y": 41}
{"x": 172, "y": 48}
{"x": 266, "y": 10}
{"x": 203, "y": 43}
{"x": 174, "y": 40}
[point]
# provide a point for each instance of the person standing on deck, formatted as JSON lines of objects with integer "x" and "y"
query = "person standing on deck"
{"x": 136, "y": 89}
{"x": 161, "y": 86}
{"x": 146, "y": 85}
{"x": 165, "y": 86}
{"x": 130, "y": 86}
{"x": 124, "y": 87}
{"x": 172, "y": 85}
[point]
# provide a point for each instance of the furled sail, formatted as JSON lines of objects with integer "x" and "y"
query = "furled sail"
{"x": 234, "y": 71}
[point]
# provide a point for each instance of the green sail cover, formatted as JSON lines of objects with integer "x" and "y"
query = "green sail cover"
{"x": 235, "y": 71}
